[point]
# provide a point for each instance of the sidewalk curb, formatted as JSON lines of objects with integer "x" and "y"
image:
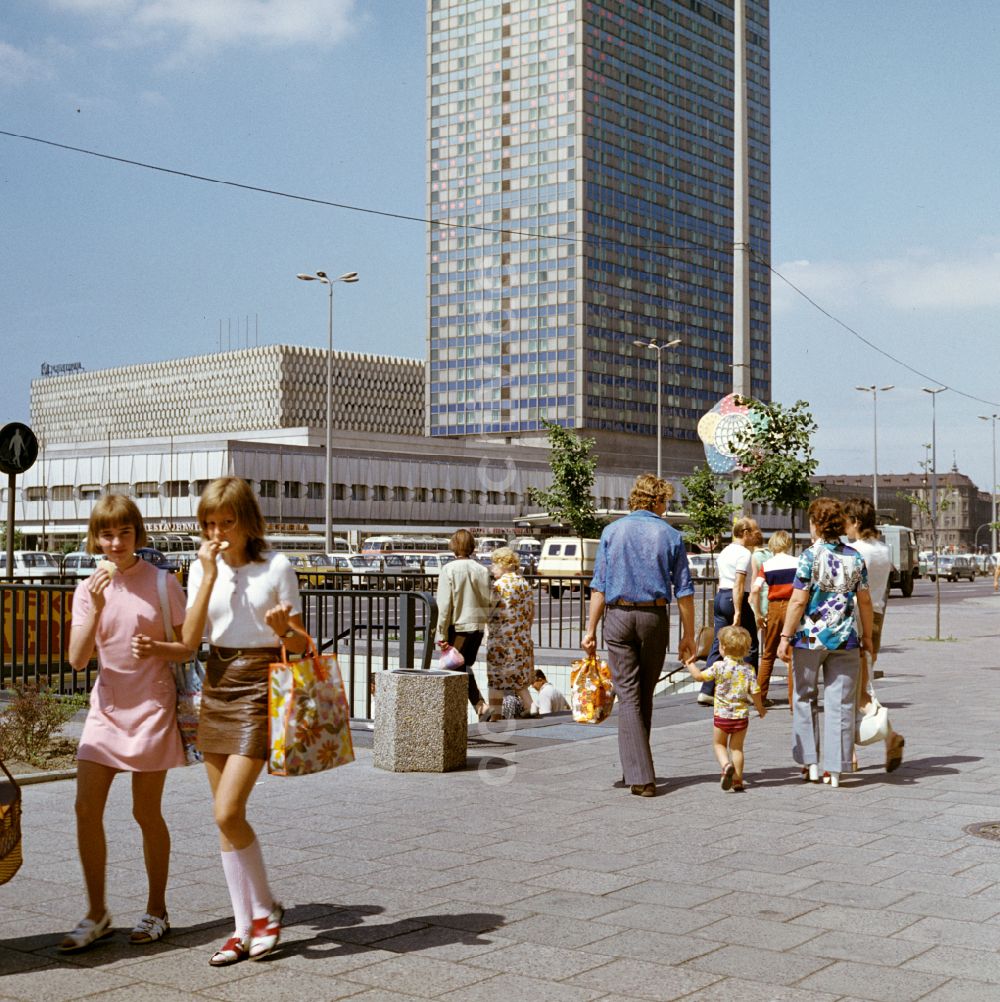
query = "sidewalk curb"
{"x": 29, "y": 778}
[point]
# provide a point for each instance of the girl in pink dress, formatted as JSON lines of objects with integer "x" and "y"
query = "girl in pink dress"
{"x": 132, "y": 724}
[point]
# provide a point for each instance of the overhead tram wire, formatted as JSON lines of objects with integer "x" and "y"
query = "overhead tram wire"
{"x": 871, "y": 344}
{"x": 440, "y": 224}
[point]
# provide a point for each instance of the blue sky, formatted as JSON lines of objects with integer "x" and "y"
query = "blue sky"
{"x": 884, "y": 196}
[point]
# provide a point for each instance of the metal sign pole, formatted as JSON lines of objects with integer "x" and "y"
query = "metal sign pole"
{"x": 11, "y": 479}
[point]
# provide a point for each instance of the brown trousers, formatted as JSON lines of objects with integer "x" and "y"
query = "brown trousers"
{"x": 772, "y": 638}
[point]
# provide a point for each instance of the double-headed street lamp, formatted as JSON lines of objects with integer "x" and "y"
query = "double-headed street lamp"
{"x": 993, "y": 483}
{"x": 934, "y": 527}
{"x": 658, "y": 347}
{"x": 875, "y": 391}
{"x": 321, "y": 276}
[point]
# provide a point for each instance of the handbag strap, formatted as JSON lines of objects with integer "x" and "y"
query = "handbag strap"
{"x": 161, "y": 587}
{"x": 312, "y": 651}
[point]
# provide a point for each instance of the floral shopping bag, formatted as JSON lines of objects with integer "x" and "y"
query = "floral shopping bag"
{"x": 189, "y": 678}
{"x": 308, "y": 716}
{"x": 592, "y": 694}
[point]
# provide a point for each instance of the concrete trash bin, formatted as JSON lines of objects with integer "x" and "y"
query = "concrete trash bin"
{"x": 420, "y": 720}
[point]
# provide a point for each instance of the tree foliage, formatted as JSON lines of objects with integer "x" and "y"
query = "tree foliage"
{"x": 776, "y": 455}
{"x": 570, "y": 499}
{"x": 709, "y": 514}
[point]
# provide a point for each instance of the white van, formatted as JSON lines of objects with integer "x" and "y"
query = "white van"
{"x": 567, "y": 557}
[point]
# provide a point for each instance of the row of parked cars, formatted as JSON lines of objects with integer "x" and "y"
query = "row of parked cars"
{"x": 37, "y": 565}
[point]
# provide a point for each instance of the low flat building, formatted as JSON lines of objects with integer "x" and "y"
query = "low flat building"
{"x": 381, "y": 483}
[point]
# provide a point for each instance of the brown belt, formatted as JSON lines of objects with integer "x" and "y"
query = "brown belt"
{"x": 232, "y": 653}
{"x": 623, "y": 604}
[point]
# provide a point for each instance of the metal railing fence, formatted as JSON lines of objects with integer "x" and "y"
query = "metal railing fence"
{"x": 385, "y": 621}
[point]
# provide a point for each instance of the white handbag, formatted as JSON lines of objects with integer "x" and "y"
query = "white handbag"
{"x": 872, "y": 725}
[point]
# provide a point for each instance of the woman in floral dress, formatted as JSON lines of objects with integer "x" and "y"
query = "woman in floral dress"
{"x": 510, "y": 660}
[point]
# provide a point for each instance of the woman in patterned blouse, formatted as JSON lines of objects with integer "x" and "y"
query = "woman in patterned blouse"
{"x": 510, "y": 655}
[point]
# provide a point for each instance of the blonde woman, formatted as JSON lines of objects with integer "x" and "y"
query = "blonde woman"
{"x": 510, "y": 655}
{"x": 246, "y": 599}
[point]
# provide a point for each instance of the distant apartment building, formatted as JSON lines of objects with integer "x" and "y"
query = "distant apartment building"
{"x": 580, "y": 176}
{"x": 964, "y": 510}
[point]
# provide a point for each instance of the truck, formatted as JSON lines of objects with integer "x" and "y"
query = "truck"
{"x": 902, "y": 543}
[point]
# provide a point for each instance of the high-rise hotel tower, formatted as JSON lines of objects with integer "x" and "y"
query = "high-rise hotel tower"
{"x": 580, "y": 179}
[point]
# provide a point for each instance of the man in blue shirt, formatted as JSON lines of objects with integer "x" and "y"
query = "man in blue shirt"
{"x": 640, "y": 563}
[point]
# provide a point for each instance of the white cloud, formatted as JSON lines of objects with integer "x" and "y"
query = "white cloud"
{"x": 199, "y": 25}
{"x": 922, "y": 279}
{"x": 18, "y": 67}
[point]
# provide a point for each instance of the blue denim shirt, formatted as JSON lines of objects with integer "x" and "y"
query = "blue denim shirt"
{"x": 641, "y": 558}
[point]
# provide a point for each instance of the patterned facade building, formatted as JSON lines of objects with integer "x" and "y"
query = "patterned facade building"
{"x": 252, "y": 389}
{"x": 580, "y": 159}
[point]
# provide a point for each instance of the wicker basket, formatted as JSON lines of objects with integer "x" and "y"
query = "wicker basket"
{"x": 10, "y": 826}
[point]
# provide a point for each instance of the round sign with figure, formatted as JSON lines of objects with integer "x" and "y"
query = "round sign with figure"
{"x": 18, "y": 448}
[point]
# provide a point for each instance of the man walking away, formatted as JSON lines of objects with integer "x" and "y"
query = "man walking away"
{"x": 640, "y": 565}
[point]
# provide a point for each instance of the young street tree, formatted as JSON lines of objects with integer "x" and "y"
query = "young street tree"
{"x": 570, "y": 499}
{"x": 710, "y": 516}
{"x": 776, "y": 456}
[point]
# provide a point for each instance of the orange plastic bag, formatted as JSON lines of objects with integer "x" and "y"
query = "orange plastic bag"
{"x": 592, "y": 694}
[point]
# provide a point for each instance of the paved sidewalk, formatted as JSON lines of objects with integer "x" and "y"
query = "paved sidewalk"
{"x": 530, "y": 877}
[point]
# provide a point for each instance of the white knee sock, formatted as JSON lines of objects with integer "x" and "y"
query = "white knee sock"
{"x": 252, "y": 863}
{"x": 239, "y": 891}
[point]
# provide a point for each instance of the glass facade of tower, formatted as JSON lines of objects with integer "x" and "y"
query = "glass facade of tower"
{"x": 580, "y": 179}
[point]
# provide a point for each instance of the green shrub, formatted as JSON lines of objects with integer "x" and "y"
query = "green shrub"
{"x": 31, "y": 720}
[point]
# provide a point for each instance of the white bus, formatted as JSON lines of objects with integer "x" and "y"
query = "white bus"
{"x": 375, "y": 546}
{"x": 305, "y": 543}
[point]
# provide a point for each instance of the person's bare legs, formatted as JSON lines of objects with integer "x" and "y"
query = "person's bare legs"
{"x": 736, "y": 754}
{"x": 147, "y": 794}
{"x": 93, "y": 781}
{"x": 232, "y": 779}
{"x": 720, "y": 748}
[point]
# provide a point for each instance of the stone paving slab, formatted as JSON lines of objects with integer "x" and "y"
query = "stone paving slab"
{"x": 532, "y": 875}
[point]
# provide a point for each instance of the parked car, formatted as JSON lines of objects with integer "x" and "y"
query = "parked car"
{"x": 568, "y": 561}
{"x": 351, "y": 570}
{"x": 157, "y": 558}
{"x": 31, "y": 565}
{"x": 79, "y": 564}
{"x": 428, "y": 563}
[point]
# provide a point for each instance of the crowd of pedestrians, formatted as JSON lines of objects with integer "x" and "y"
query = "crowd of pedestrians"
{"x": 821, "y": 613}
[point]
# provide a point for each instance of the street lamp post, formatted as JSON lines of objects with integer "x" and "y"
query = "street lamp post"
{"x": 993, "y": 483}
{"x": 874, "y": 391}
{"x": 934, "y": 516}
{"x": 321, "y": 276}
{"x": 658, "y": 347}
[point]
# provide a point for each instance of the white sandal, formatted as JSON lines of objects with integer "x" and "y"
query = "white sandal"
{"x": 86, "y": 933}
{"x": 149, "y": 929}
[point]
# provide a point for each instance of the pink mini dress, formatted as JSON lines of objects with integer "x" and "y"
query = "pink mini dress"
{"x": 132, "y": 723}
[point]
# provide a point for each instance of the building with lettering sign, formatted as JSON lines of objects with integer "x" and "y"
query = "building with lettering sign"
{"x": 251, "y": 389}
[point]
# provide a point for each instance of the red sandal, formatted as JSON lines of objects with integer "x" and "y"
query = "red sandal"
{"x": 231, "y": 952}
{"x": 265, "y": 932}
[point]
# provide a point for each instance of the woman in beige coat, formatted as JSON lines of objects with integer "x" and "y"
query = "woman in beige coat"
{"x": 463, "y": 599}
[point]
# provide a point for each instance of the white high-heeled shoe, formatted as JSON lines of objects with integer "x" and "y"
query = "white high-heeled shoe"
{"x": 834, "y": 780}
{"x": 813, "y": 773}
